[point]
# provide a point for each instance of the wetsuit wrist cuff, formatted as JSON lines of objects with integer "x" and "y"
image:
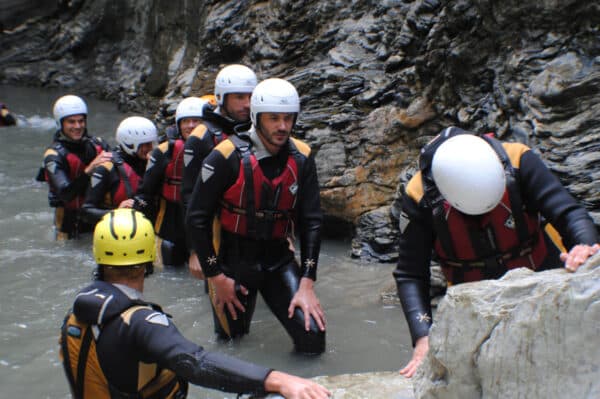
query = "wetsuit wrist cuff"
{"x": 211, "y": 270}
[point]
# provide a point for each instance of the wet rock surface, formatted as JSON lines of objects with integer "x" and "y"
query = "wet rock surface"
{"x": 379, "y": 385}
{"x": 527, "y": 335}
{"x": 377, "y": 78}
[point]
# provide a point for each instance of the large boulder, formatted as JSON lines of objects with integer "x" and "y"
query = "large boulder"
{"x": 527, "y": 335}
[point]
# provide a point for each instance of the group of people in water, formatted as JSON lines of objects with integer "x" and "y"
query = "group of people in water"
{"x": 226, "y": 192}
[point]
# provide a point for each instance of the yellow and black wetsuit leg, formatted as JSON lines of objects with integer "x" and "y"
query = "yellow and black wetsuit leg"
{"x": 225, "y": 326}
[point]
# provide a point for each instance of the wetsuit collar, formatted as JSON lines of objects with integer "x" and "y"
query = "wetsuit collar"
{"x": 258, "y": 148}
{"x": 60, "y": 136}
{"x": 131, "y": 293}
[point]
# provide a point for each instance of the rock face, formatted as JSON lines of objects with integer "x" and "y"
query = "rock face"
{"x": 528, "y": 335}
{"x": 380, "y": 385}
{"x": 377, "y": 78}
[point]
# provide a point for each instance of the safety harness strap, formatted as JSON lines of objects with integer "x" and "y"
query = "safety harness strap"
{"x": 67, "y": 359}
{"x": 77, "y": 384}
{"x": 125, "y": 179}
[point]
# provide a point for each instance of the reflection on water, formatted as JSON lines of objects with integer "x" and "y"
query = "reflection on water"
{"x": 40, "y": 278}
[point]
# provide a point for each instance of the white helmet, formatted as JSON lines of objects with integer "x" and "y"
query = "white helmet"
{"x": 191, "y": 107}
{"x": 274, "y": 95}
{"x": 67, "y": 106}
{"x": 469, "y": 174}
{"x": 134, "y": 131}
{"x": 234, "y": 79}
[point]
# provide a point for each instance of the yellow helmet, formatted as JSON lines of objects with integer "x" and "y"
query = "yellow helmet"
{"x": 124, "y": 237}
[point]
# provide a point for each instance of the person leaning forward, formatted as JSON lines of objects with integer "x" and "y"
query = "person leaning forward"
{"x": 115, "y": 344}
{"x": 68, "y": 164}
{"x": 233, "y": 87}
{"x": 479, "y": 205}
{"x": 263, "y": 186}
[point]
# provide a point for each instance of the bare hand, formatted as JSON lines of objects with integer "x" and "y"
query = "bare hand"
{"x": 419, "y": 353}
{"x": 292, "y": 387}
{"x": 307, "y": 300}
{"x": 578, "y": 255}
{"x": 128, "y": 203}
{"x": 225, "y": 294}
{"x": 195, "y": 266}
{"x": 104, "y": 156}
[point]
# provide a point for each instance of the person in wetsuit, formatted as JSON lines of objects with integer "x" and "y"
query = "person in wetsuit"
{"x": 68, "y": 165}
{"x": 114, "y": 184}
{"x": 115, "y": 344}
{"x": 159, "y": 195}
{"x": 6, "y": 118}
{"x": 233, "y": 87}
{"x": 476, "y": 204}
{"x": 264, "y": 188}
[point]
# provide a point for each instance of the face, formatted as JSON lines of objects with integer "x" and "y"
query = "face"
{"x": 144, "y": 150}
{"x": 186, "y": 125}
{"x": 74, "y": 126}
{"x": 275, "y": 129}
{"x": 237, "y": 106}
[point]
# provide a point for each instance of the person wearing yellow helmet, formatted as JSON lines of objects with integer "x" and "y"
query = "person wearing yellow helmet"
{"x": 68, "y": 165}
{"x": 233, "y": 87}
{"x": 477, "y": 204}
{"x": 113, "y": 343}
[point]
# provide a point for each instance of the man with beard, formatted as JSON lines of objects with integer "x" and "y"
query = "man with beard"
{"x": 233, "y": 87}
{"x": 263, "y": 184}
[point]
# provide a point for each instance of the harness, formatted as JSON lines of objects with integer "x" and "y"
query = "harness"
{"x": 129, "y": 181}
{"x": 84, "y": 373}
{"x": 216, "y": 131}
{"x": 171, "y": 189}
{"x": 466, "y": 242}
{"x": 255, "y": 206}
{"x": 76, "y": 168}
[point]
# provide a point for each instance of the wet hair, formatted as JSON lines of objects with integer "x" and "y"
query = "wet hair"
{"x": 122, "y": 271}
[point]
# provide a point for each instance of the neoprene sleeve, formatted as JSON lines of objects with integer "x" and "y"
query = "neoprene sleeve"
{"x": 218, "y": 371}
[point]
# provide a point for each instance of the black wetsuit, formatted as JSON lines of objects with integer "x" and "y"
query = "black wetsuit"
{"x": 267, "y": 265}
{"x": 166, "y": 213}
{"x": 541, "y": 192}
{"x": 138, "y": 346}
{"x": 213, "y": 129}
{"x": 68, "y": 187}
{"x": 107, "y": 179}
{"x": 6, "y": 118}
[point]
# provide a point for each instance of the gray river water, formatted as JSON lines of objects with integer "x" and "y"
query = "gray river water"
{"x": 40, "y": 277}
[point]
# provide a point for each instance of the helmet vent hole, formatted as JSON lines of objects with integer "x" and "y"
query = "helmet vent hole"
{"x": 140, "y": 251}
{"x": 109, "y": 253}
{"x": 124, "y": 253}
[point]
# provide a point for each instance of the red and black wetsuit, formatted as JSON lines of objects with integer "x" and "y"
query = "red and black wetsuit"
{"x": 159, "y": 198}
{"x": 64, "y": 164}
{"x": 112, "y": 183}
{"x": 213, "y": 129}
{"x": 484, "y": 246}
{"x": 124, "y": 347}
{"x": 258, "y": 255}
